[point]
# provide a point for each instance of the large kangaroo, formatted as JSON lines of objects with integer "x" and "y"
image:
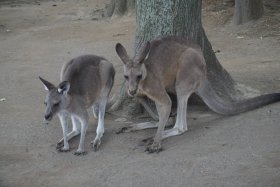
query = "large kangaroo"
{"x": 177, "y": 66}
{"x": 85, "y": 81}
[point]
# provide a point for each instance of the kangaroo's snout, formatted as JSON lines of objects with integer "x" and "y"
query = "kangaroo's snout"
{"x": 132, "y": 88}
{"x": 48, "y": 117}
{"x": 132, "y": 92}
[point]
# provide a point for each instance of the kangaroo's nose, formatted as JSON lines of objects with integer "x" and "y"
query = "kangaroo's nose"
{"x": 132, "y": 92}
{"x": 48, "y": 117}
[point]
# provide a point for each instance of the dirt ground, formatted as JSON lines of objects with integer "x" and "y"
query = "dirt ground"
{"x": 38, "y": 36}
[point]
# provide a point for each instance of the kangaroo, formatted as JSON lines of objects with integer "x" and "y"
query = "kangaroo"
{"x": 86, "y": 81}
{"x": 177, "y": 66}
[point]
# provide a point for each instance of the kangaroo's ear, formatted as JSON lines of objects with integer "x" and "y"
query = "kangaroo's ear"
{"x": 143, "y": 52}
{"x": 48, "y": 86}
{"x": 122, "y": 53}
{"x": 63, "y": 87}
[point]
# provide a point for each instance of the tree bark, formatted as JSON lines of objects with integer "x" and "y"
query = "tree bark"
{"x": 228, "y": 2}
{"x": 247, "y": 10}
{"x": 179, "y": 18}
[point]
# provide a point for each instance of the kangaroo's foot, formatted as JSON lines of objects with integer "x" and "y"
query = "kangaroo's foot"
{"x": 59, "y": 145}
{"x": 173, "y": 132}
{"x": 64, "y": 149}
{"x": 70, "y": 135}
{"x": 96, "y": 144}
{"x": 80, "y": 152}
{"x": 155, "y": 147}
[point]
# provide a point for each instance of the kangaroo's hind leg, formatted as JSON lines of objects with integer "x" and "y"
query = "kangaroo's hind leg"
{"x": 186, "y": 84}
{"x": 144, "y": 125}
{"x": 138, "y": 126}
{"x": 181, "y": 118}
{"x": 76, "y": 130}
{"x": 101, "y": 110}
{"x": 100, "y": 127}
{"x": 101, "y": 113}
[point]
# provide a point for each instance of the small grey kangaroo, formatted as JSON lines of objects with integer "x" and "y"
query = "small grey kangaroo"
{"x": 177, "y": 66}
{"x": 86, "y": 81}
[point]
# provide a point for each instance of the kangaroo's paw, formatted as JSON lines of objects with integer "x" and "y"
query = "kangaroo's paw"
{"x": 80, "y": 152}
{"x": 63, "y": 149}
{"x": 59, "y": 145}
{"x": 123, "y": 129}
{"x": 96, "y": 144}
{"x": 154, "y": 148}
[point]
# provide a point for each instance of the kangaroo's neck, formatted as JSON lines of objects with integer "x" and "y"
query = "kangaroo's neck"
{"x": 66, "y": 101}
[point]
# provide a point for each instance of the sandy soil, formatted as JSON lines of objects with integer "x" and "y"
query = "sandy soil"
{"x": 38, "y": 36}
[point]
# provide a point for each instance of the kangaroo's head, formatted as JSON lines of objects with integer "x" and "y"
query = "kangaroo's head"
{"x": 56, "y": 98}
{"x": 134, "y": 68}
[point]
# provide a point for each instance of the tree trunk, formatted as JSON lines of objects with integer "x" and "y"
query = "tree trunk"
{"x": 228, "y": 2}
{"x": 247, "y": 10}
{"x": 179, "y": 18}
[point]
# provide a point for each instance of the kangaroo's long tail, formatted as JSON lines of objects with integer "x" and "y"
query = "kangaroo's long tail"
{"x": 221, "y": 106}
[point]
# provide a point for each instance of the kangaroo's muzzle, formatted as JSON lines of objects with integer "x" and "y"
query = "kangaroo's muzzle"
{"x": 48, "y": 117}
{"x": 132, "y": 92}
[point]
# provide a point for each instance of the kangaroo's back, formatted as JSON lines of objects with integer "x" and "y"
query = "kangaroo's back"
{"x": 88, "y": 74}
{"x": 168, "y": 56}
{"x": 167, "y": 52}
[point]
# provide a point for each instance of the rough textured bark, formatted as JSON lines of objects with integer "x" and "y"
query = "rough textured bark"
{"x": 179, "y": 18}
{"x": 120, "y": 7}
{"x": 246, "y": 10}
{"x": 228, "y": 2}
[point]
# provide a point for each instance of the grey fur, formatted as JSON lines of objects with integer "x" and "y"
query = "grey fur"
{"x": 86, "y": 81}
{"x": 177, "y": 66}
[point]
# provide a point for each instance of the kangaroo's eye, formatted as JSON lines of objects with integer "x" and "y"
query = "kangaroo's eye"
{"x": 139, "y": 77}
{"x": 126, "y": 77}
{"x": 45, "y": 103}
